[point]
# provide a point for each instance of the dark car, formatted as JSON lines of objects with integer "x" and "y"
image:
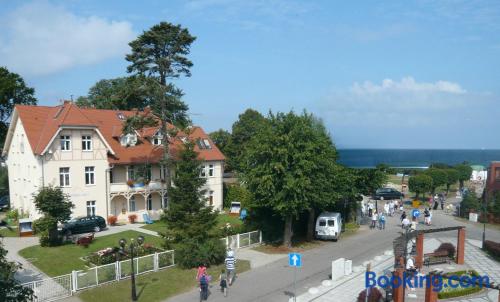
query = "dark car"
{"x": 4, "y": 202}
{"x": 83, "y": 224}
{"x": 388, "y": 194}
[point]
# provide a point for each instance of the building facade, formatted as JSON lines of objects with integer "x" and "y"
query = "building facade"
{"x": 104, "y": 171}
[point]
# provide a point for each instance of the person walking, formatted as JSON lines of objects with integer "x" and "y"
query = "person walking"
{"x": 391, "y": 208}
{"x": 382, "y": 221}
{"x": 230, "y": 266}
{"x": 204, "y": 279}
{"x": 374, "y": 220}
{"x": 386, "y": 208}
{"x": 223, "y": 282}
{"x": 202, "y": 269}
{"x": 426, "y": 216}
{"x": 430, "y": 216}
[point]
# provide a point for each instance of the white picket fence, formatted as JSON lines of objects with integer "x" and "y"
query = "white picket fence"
{"x": 51, "y": 289}
{"x": 55, "y": 288}
{"x": 243, "y": 240}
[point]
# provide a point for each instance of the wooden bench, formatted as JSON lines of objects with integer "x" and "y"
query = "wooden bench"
{"x": 436, "y": 258}
{"x": 85, "y": 240}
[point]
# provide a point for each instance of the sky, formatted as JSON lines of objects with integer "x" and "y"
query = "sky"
{"x": 380, "y": 74}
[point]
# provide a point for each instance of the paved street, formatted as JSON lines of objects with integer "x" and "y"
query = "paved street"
{"x": 274, "y": 282}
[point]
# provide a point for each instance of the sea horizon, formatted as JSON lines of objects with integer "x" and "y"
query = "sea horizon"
{"x": 415, "y": 158}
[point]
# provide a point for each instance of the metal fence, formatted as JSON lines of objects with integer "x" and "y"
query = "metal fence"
{"x": 51, "y": 289}
{"x": 243, "y": 240}
{"x": 55, "y": 288}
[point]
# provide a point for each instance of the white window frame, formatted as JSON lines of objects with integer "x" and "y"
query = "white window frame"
{"x": 90, "y": 176}
{"x": 149, "y": 203}
{"x": 203, "y": 172}
{"x": 131, "y": 202}
{"x": 65, "y": 142}
{"x": 164, "y": 201}
{"x": 210, "y": 198}
{"x": 91, "y": 207}
{"x": 156, "y": 141}
{"x": 64, "y": 177}
{"x": 131, "y": 170}
{"x": 211, "y": 170}
{"x": 87, "y": 143}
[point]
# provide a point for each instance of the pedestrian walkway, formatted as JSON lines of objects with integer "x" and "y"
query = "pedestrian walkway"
{"x": 348, "y": 288}
{"x": 257, "y": 259}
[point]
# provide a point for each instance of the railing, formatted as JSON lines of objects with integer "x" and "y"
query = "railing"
{"x": 55, "y": 288}
{"x": 243, "y": 240}
{"x": 124, "y": 187}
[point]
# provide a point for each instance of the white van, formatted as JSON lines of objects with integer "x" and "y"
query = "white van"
{"x": 329, "y": 226}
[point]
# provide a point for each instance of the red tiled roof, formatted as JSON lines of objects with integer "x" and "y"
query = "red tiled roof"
{"x": 41, "y": 124}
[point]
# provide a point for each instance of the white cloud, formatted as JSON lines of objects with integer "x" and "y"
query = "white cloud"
{"x": 40, "y": 38}
{"x": 407, "y": 84}
{"x": 405, "y": 102}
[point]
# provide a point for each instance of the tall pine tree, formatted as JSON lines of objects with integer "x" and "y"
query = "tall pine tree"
{"x": 189, "y": 221}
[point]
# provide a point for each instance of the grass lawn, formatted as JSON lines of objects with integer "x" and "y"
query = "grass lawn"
{"x": 157, "y": 286}
{"x": 222, "y": 219}
{"x": 63, "y": 259}
{"x": 5, "y": 232}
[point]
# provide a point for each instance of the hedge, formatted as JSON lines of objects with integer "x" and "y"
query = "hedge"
{"x": 492, "y": 248}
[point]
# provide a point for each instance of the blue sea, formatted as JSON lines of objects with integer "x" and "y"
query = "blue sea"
{"x": 415, "y": 158}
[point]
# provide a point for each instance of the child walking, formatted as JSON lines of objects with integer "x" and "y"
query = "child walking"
{"x": 223, "y": 282}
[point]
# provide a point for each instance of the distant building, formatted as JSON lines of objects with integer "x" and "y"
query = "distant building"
{"x": 493, "y": 180}
{"x": 104, "y": 171}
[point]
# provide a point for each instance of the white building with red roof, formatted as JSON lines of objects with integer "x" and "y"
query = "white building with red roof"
{"x": 104, "y": 171}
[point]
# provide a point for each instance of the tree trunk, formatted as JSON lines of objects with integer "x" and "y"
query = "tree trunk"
{"x": 288, "y": 233}
{"x": 447, "y": 189}
{"x": 461, "y": 184}
{"x": 310, "y": 224}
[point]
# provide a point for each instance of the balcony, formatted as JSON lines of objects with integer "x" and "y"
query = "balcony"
{"x": 136, "y": 187}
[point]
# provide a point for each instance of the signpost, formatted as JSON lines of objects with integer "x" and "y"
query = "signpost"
{"x": 415, "y": 213}
{"x": 294, "y": 260}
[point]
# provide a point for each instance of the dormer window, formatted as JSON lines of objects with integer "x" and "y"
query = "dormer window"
{"x": 65, "y": 142}
{"x": 203, "y": 143}
{"x": 156, "y": 141}
{"x": 128, "y": 140}
{"x": 120, "y": 116}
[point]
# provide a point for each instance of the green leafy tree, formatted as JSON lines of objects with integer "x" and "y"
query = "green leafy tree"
{"x": 439, "y": 178}
{"x": 249, "y": 123}
{"x": 222, "y": 139}
{"x": 470, "y": 203}
{"x": 13, "y": 91}
{"x": 369, "y": 180}
{"x": 55, "y": 207}
{"x": 420, "y": 183}
{"x": 452, "y": 178}
{"x": 189, "y": 221}
{"x": 284, "y": 167}
{"x": 160, "y": 54}
{"x": 464, "y": 173}
{"x": 439, "y": 166}
{"x": 10, "y": 289}
{"x": 494, "y": 205}
{"x": 239, "y": 193}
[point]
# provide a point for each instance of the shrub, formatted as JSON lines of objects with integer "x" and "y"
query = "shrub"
{"x": 132, "y": 218}
{"x": 189, "y": 253}
{"x": 112, "y": 220}
{"x": 446, "y": 246}
{"x": 374, "y": 295}
{"x": 13, "y": 215}
{"x": 493, "y": 248}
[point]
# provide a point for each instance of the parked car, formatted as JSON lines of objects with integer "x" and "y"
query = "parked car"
{"x": 83, "y": 224}
{"x": 388, "y": 194}
{"x": 4, "y": 203}
{"x": 329, "y": 226}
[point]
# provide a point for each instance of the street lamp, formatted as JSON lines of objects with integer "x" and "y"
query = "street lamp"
{"x": 484, "y": 222}
{"x": 133, "y": 244}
